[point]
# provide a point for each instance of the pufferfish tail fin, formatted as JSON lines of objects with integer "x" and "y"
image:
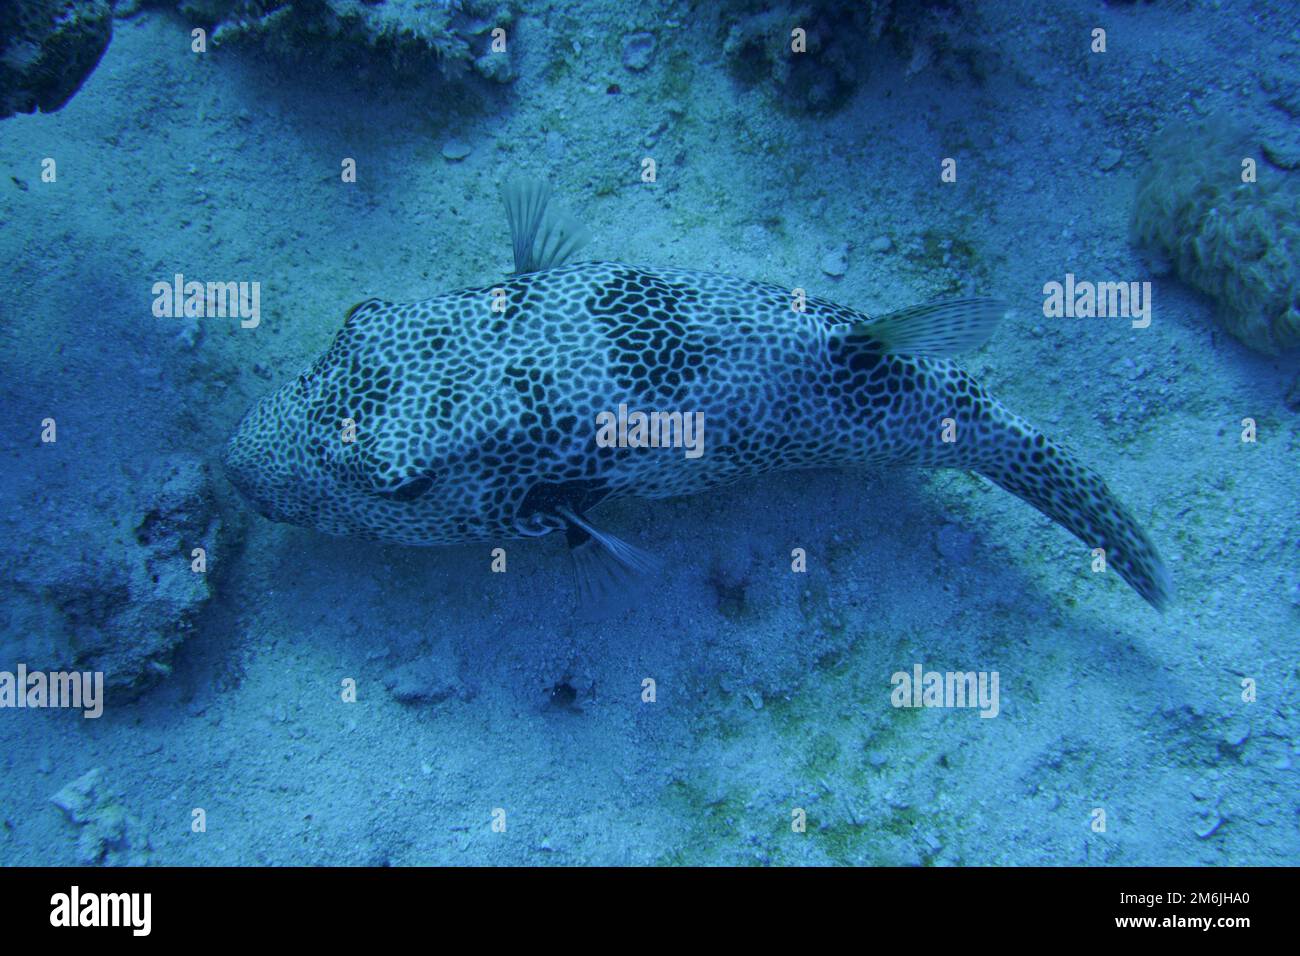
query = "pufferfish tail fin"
{"x": 543, "y": 236}
{"x": 1031, "y": 466}
{"x": 1007, "y": 449}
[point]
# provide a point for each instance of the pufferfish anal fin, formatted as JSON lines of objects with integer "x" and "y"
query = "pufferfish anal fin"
{"x": 543, "y": 236}
{"x": 607, "y": 570}
{"x": 935, "y": 330}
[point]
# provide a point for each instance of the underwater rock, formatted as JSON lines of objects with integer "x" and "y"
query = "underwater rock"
{"x": 108, "y": 835}
{"x": 136, "y": 637}
{"x": 638, "y": 51}
{"x": 1281, "y": 147}
{"x": 1235, "y": 735}
{"x": 47, "y": 50}
{"x": 76, "y": 798}
{"x": 836, "y": 262}
{"x": 1109, "y": 159}
{"x": 103, "y": 594}
{"x": 454, "y": 150}
{"x": 432, "y": 678}
{"x": 1228, "y": 237}
{"x": 1211, "y": 821}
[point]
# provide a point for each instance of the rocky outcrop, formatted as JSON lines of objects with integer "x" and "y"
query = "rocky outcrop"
{"x": 118, "y": 589}
{"x": 47, "y": 49}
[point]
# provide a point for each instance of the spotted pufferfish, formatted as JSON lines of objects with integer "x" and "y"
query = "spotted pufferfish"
{"x": 472, "y": 416}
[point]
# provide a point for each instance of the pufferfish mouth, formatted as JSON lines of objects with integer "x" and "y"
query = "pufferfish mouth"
{"x": 258, "y": 457}
{"x": 236, "y": 464}
{"x": 243, "y": 461}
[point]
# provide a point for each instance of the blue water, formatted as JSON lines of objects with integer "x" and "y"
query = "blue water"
{"x": 278, "y": 696}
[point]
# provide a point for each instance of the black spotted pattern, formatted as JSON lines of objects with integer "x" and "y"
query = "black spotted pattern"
{"x": 460, "y": 410}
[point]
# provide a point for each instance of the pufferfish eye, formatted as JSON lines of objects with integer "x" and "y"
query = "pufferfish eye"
{"x": 410, "y": 489}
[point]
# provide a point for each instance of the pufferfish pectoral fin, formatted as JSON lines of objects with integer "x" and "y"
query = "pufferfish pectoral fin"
{"x": 543, "y": 236}
{"x": 607, "y": 570}
{"x": 936, "y": 330}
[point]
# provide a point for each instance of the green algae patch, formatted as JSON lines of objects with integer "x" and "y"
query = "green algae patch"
{"x": 714, "y": 830}
{"x": 835, "y": 756}
{"x": 947, "y": 261}
{"x": 678, "y": 78}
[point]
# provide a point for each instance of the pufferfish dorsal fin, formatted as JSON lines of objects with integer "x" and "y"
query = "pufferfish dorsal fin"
{"x": 936, "y": 330}
{"x": 543, "y": 236}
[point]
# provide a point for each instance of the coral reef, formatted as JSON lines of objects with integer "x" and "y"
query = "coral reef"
{"x": 1236, "y": 241}
{"x": 410, "y": 37}
{"x": 118, "y": 597}
{"x": 47, "y": 49}
{"x": 839, "y": 39}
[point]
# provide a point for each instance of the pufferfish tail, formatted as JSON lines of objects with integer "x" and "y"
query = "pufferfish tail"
{"x": 1036, "y": 469}
{"x": 1005, "y": 448}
